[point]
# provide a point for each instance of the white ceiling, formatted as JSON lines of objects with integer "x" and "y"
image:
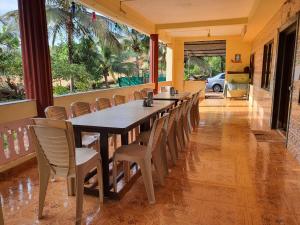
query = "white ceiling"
{"x": 203, "y": 31}
{"x": 178, "y": 11}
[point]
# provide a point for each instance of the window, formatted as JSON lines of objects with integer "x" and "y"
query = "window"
{"x": 101, "y": 54}
{"x": 222, "y": 76}
{"x": 266, "y": 70}
{"x": 252, "y": 68}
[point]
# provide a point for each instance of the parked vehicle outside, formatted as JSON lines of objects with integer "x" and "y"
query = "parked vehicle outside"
{"x": 216, "y": 83}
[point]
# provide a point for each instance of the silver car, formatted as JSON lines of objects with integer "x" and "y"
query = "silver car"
{"x": 216, "y": 83}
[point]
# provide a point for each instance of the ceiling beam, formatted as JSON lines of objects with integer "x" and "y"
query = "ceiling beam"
{"x": 204, "y": 23}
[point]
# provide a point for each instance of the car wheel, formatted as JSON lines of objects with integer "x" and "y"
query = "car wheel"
{"x": 217, "y": 88}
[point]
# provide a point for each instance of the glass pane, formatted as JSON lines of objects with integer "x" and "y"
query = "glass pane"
{"x": 90, "y": 51}
{"x": 11, "y": 72}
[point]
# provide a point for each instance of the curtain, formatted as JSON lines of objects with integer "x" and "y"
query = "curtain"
{"x": 35, "y": 53}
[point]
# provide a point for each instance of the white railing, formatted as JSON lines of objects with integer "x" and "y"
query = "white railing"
{"x": 14, "y": 140}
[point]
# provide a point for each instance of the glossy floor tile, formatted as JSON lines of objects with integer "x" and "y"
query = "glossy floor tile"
{"x": 223, "y": 178}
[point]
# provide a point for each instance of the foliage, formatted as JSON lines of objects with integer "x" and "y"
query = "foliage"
{"x": 10, "y": 64}
{"x": 137, "y": 46}
{"x": 203, "y": 67}
{"x": 60, "y": 90}
{"x": 83, "y": 50}
{"x": 86, "y": 53}
{"x": 10, "y": 54}
{"x": 63, "y": 70}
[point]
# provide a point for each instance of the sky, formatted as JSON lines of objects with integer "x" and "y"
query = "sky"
{"x": 8, "y": 5}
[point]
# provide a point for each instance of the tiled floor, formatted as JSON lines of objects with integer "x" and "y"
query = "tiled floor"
{"x": 223, "y": 178}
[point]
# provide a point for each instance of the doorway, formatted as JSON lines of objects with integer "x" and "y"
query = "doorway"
{"x": 205, "y": 61}
{"x": 283, "y": 79}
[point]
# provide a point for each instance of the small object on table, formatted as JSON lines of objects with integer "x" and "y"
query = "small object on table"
{"x": 172, "y": 91}
{"x": 147, "y": 102}
{"x": 150, "y": 97}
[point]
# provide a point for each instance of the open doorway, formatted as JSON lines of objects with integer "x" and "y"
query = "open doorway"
{"x": 205, "y": 60}
{"x": 283, "y": 79}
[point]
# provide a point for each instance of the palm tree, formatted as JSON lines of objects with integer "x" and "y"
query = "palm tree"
{"x": 162, "y": 52}
{"x": 111, "y": 63}
{"x": 136, "y": 42}
{"x": 71, "y": 22}
{"x": 76, "y": 21}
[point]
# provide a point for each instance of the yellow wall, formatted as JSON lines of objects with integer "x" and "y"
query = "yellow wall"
{"x": 13, "y": 111}
{"x": 234, "y": 45}
{"x": 194, "y": 86}
{"x": 178, "y": 64}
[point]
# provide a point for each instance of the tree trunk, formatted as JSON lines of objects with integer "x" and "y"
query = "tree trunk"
{"x": 137, "y": 66}
{"x": 105, "y": 78}
{"x": 69, "y": 25}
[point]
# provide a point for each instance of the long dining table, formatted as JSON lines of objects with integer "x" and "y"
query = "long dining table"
{"x": 115, "y": 120}
{"x": 166, "y": 96}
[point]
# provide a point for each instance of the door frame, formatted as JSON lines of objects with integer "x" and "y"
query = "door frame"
{"x": 273, "y": 122}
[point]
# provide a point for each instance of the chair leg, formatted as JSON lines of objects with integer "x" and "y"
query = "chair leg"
{"x": 174, "y": 140}
{"x": 131, "y": 135}
{"x": 146, "y": 170}
{"x": 115, "y": 141}
{"x": 180, "y": 134}
{"x": 100, "y": 182}
{"x": 186, "y": 130}
{"x": 79, "y": 196}
{"x": 159, "y": 167}
{"x": 1, "y": 214}
{"x": 171, "y": 148}
{"x": 136, "y": 132}
{"x": 71, "y": 186}
{"x": 126, "y": 168}
{"x": 115, "y": 175}
{"x": 44, "y": 174}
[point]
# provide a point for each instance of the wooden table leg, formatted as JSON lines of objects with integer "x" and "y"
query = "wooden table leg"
{"x": 124, "y": 141}
{"x": 104, "y": 148}
{"x": 145, "y": 126}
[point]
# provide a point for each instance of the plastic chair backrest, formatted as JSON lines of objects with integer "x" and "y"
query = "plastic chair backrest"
{"x": 54, "y": 143}
{"x": 119, "y": 99}
{"x": 56, "y": 112}
{"x": 102, "y": 103}
{"x": 137, "y": 95}
{"x": 80, "y": 108}
{"x": 157, "y": 133}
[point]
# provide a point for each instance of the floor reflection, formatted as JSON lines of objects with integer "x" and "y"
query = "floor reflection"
{"x": 223, "y": 178}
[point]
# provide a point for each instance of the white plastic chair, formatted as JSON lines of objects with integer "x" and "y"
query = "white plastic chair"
{"x": 56, "y": 152}
{"x": 142, "y": 155}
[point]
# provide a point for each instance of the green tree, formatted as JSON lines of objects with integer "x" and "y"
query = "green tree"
{"x": 10, "y": 61}
{"x": 63, "y": 70}
{"x": 63, "y": 20}
{"x": 111, "y": 63}
{"x": 86, "y": 52}
{"x": 137, "y": 44}
{"x": 162, "y": 51}
{"x": 72, "y": 24}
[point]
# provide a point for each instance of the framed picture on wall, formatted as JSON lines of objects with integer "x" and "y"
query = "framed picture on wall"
{"x": 237, "y": 58}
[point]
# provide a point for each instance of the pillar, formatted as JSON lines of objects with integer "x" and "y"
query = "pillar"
{"x": 154, "y": 60}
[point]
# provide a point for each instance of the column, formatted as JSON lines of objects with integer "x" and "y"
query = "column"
{"x": 154, "y": 60}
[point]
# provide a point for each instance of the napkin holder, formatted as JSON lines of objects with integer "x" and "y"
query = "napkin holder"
{"x": 172, "y": 91}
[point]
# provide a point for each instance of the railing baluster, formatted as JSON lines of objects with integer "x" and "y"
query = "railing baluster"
{"x": 14, "y": 140}
{"x": 2, "y": 154}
